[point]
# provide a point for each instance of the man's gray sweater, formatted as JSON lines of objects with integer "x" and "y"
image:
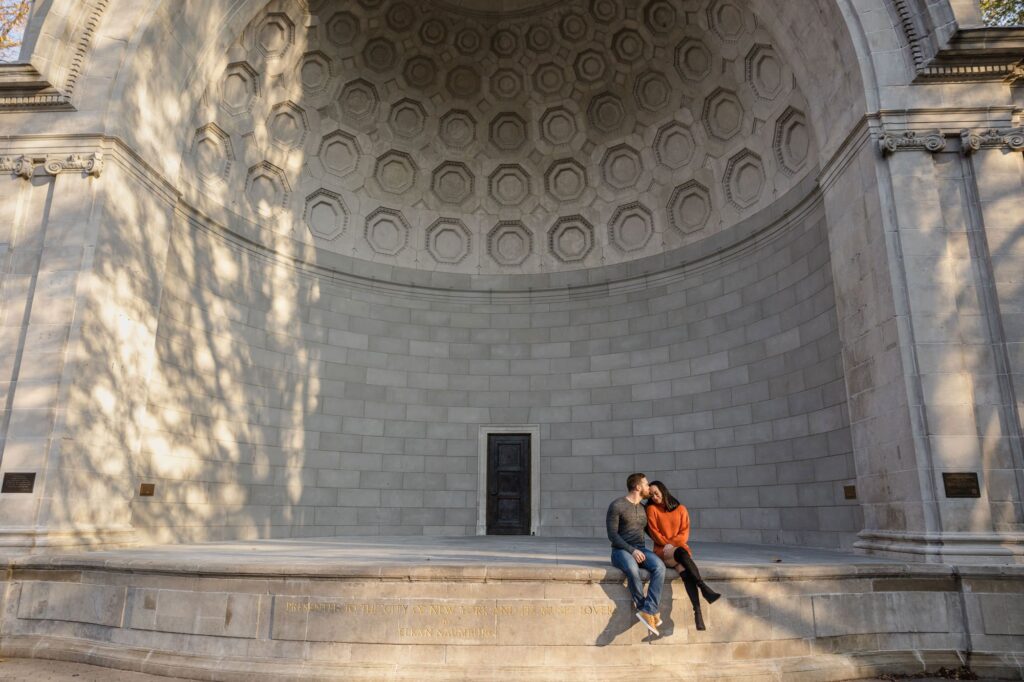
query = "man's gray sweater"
{"x": 626, "y": 523}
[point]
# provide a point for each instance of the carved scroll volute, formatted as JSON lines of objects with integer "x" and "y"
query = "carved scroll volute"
{"x": 1015, "y": 139}
{"x": 911, "y": 140}
{"x": 1011, "y": 139}
{"x": 22, "y": 166}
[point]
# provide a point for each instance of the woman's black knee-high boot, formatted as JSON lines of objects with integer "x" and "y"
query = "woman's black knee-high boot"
{"x": 684, "y": 559}
{"x": 691, "y": 591}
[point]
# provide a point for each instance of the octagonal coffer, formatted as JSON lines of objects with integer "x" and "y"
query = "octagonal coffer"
{"x": 380, "y": 54}
{"x": 274, "y": 35}
{"x": 342, "y": 29}
{"x": 792, "y": 142}
{"x": 452, "y": 182}
{"x": 621, "y": 166}
{"x": 240, "y": 87}
{"x": 314, "y": 72}
{"x": 726, "y": 19}
{"x": 689, "y": 207}
{"x": 449, "y": 241}
{"x": 764, "y": 72}
{"x": 287, "y": 125}
{"x": 386, "y": 231}
{"x": 558, "y": 126}
{"x": 744, "y": 179}
{"x": 508, "y": 131}
{"x": 457, "y": 129}
{"x": 652, "y": 91}
{"x": 723, "y": 114}
{"x": 565, "y": 179}
{"x": 674, "y": 145}
{"x": 359, "y": 101}
{"x": 420, "y": 72}
{"x": 571, "y": 239}
{"x": 509, "y": 243}
{"x": 212, "y": 153}
{"x": 509, "y": 184}
{"x": 326, "y": 214}
{"x": 408, "y": 118}
{"x": 631, "y": 227}
{"x": 267, "y": 189}
{"x": 463, "y": 82}
{"x": 606, "y": 112}
{"x": 339, "y": 153}
{"x": 693, "y": 59}
{"x": 395, "y": 171}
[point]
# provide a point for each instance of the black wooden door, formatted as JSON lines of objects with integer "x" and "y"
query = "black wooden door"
{"x": 508, "y": 484}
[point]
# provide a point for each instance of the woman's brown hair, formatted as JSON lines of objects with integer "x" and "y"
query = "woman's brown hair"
{"x": 669, "y": 499}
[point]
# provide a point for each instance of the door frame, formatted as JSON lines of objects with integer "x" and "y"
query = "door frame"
{"x": 533, "y": 430}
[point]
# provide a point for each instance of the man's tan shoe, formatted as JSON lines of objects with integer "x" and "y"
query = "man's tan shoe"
{"x": 657, "y": 616}
{"x": 649, "y": 621}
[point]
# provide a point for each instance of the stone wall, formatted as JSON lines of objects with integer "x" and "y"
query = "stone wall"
{"x": 289, "y": 403}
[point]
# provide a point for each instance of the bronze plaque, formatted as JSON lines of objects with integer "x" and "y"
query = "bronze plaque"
{"x": 961, "y": 485}
{"x": 850, "y": 492}
{"x": 18, "y": 483}
{"x": 147, "y": 490}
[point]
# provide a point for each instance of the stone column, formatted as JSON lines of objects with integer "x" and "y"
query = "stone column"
{"x": 79, "y": 322}
{"x": 993, "y": 163}
{"x": 931, "y": 395}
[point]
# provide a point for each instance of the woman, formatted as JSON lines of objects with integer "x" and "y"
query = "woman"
{"x": 668, "y": 524}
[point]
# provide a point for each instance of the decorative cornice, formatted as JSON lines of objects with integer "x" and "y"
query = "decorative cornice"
{"x": 977, "y": 54}
{"x": 23, "y": 88}
{"x": 1011, "y": 138}
{"x": 82, "y": 48}
{"x": 912, "y": 140}
{"x": 906, "y": 17}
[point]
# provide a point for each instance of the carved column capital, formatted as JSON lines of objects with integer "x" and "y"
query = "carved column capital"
{"x": 22, "y": 166}
{"x": 912, "y": 140}
{"x": 1016, "y": 74}
{"x": 1008, "y": 138}
{"x": 91, "y": 164}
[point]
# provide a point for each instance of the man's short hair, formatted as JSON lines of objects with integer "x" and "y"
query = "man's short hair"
{"x": 633, "y": 482}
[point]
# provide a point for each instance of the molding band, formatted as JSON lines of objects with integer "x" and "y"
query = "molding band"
{"x": 1010, "y": 544}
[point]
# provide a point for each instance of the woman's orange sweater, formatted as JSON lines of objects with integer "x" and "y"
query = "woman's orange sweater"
{"x": 668, "y": 527}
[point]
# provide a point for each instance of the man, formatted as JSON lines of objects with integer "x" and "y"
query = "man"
{"x": 626, "y": 522}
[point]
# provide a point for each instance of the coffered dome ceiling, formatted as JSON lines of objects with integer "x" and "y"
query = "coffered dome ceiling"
{"x": 545, "y": 136}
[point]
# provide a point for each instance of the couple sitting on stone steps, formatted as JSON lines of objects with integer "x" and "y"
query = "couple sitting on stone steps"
{"x": 668, "y": 524}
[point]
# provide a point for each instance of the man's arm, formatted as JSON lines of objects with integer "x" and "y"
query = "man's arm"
{"x": 612, "y": 526}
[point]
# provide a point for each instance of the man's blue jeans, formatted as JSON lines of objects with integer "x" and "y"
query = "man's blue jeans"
{"x": 624, "y": 561}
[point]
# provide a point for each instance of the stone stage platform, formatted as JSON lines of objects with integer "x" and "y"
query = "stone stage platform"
{"x": 502, "y": 608}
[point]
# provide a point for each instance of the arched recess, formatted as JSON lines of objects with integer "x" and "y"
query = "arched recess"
{"x": 151, "y": 110}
